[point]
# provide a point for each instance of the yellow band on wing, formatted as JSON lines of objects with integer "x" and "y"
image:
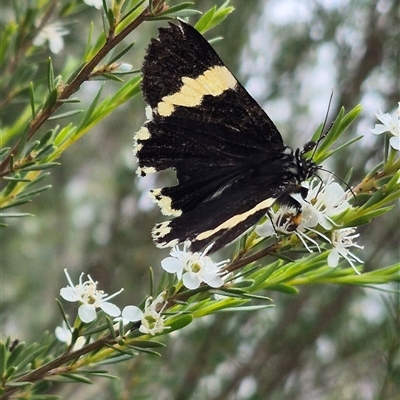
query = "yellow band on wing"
{"x": 213, "y": 82}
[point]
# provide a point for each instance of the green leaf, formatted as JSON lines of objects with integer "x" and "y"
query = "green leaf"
{"x": 210, "y": 307}
{"x": 178, "y": 322}
{"x": 31, "y": 193}
{"x": 117, "y": 359}
{"x": 64, "y": 134}
{"x": 47, "y": 137}
{"x": 121, "y": 53}
{"x": 246, "y": 308}
{"x": 65, "y": 115}
{"x": 111, "y": 327}
{"x": 181, "y": 10}
{"x": 88, "y": 41}
{"x": 71, "y": 100}
{"x": 15, "y": 354}
{"x": 52, "y": 99}
{"x": 39, "y": 167}
{"x": 103, "y": 374}
{"x": 31, "y": 352}
{"x": 15, "y": 215}
{"x": 145, "y": 344}
{"x": 12, "y": 184}
{"x": 50, "y": 76}
{"x": 44, "y": 397}
{"x": 350, "y": 117}
{"x": 4, "y": 150}
{"x": 213, "y": 17}
{"x": 107, "y": 76}
{"x": 341, "y": 123}
{"x": 343, "y": 146}
{"x": 232, "y": 292}
{"x": 32, "y": 99}
{"x": 70, "y": 377}
{"x": 46, "y": 151}
{"x": 31, "y": 147}
{"x": 18, "y": 384}
{"x": 282, "y": 288}
{"x": 9, "y": 373}
{"x": 38, "y": 179}
{"x": 205, "y": 20}
{"x": 75, "y": 73}
{"x": 91, "y": 109}
{"x": 363, "y": 217}
{"x": 14, "y": 204}
{"x": 3, "y": 358}
{"x": 144, "y": 350}
{"x": 245, "y": 283}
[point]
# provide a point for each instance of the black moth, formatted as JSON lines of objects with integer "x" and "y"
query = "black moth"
{"x": 230, "y": 159}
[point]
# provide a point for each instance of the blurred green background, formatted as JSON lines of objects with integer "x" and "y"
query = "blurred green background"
{"x": 325, "y": 343}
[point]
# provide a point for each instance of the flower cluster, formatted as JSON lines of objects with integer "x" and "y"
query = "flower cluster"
{"x": 152, "y": 322}
{"x": 90, "y": 298}
{"x": 53, "y": 34}
{"x": 322, "y": 203}
{"x": 64, "y": 334}
{"x": 194, "y": 268}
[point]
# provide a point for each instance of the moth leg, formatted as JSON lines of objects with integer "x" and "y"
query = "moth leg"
{"x": 272, "y": 222}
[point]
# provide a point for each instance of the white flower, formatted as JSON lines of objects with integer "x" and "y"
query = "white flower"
{"x": 194, "y": 268}
{"x": 321, "y": 203}
{"x": 94, "y": 3}
{"x": 52, "y": 33}
{"x": 389, "y": 124}
{"x": 325, "y": 202}
{"x": 124, "y": 67}
{"x": 91, "y": 298}
{"x": 64, "y": 335}
{"x": 341, "y": 240}
{"x": 152, "y": 322}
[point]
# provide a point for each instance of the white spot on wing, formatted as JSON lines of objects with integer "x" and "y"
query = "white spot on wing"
{"x": 161, "y": 229}
{"x": 149, "y": 113}
{"x": 137, "y": 147}
{"x": 143, "y": 134}
{"x": 163, "y": 245}
{"x": 164, "y": 202}
{"x": 145, "y": 170}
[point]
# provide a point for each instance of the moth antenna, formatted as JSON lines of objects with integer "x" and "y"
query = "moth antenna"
{"x": 320, "y": 179}
{"x": 338, "y": 178}
{"x": 323, "y": 135}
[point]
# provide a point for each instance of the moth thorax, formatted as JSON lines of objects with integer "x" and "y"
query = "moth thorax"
{"x": 306, "y": 168}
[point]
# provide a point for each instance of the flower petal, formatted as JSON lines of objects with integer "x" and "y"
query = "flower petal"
{"x": 333, "y": 258}
{"x": 395, "y": 142}
{"x": 266, "y": 229}
{"x": 110, "y": 309}
{"x": 87, "y": 313}
{"x": 56, "y": 44}
{"x": 379, "y": 129}
{"x": 171, "y": 265}
{"x": 213, "y": 280}
{"x": 63, "y": 334}
{"x": 191, "y": 280}
{"x": 132, "y": 313}
{"x": 69, "y": 294}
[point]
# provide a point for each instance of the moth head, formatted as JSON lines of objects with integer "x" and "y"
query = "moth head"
{"x": 309, "y": 146}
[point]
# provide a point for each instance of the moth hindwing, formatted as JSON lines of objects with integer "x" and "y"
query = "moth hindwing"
{"x": 229, "y": 158}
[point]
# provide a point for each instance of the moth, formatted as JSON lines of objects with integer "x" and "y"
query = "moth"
{"x": 230, "y": 160}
